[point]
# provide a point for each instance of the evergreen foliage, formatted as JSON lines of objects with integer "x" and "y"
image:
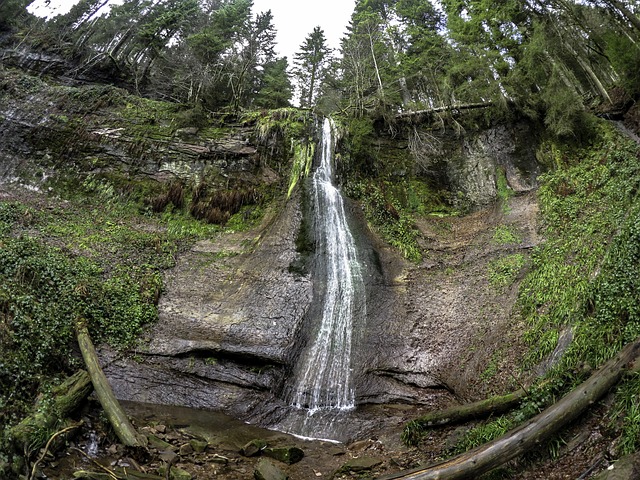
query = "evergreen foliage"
{"x": 275, "y": 89}
{"x": 12, "y": 13}
{"x": 311, "y": 64}
{"x": 550, "y": 59}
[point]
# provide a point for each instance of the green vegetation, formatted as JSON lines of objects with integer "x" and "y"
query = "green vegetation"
{"x": 96, "y": 249}
{"x": 492, "y": 368}
{"x": 625, "y": 416}
{"x": 388, "y": 216}
{"x": 547, "y": 61}
{"x": 589, "y": 217}
{"x": 311, "y": 64}
{"x": 98, "y": 256}
{"x": 392, "y": 208}
{"x": 524, "y": 58}
{"x": 586, "y": 276}
{"x": 537, "y": 399}
{"x": 504, "y": 193}
{"x": 302, "y": 161}
{"x": 289, "y": 127}
{"x": 503, "y": 271}
{"x": 505, "y": 235}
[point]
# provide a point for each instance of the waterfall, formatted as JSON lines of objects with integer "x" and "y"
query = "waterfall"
{"x": 324, "y": 378}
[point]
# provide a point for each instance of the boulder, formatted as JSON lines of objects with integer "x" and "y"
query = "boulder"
{"x": 198, "y": 446}
{"x": 288, "y": 455}
{"x": 360, "y": 464}
{"x": 253, "y": 448}
{"x": 627, "y": 468}
{"x": 265, "y": 470}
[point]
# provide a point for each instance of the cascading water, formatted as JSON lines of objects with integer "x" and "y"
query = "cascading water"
{"x": 323, "y": 384}
{"x": 326, "y": 379}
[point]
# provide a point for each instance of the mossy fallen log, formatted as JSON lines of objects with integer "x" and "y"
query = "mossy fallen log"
{"x": 116, "y": 415}
{"x": 34, "y": 431}
{"x": 414, "y": 429}
{"x": 534, "y": 432}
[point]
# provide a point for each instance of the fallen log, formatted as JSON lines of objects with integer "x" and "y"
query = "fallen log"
{"x": 412, "y": 431}
{"x": 32, "y": 433}
{"x": 445, "y": 108}
{"x": 532, "y": 433}
{"x": 116, "y": 415}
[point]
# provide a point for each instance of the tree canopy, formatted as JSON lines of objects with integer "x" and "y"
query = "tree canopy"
{"x": 546, "y": 59}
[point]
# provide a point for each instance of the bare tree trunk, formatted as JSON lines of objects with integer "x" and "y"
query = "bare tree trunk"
{"x": 375, "y": 64}
{"x": 118, "y": 419}
{"x": 446, "y": 108}
{"x": 535, "y": 431}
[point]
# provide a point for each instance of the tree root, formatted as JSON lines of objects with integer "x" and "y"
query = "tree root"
{"x": 534, "y": 432}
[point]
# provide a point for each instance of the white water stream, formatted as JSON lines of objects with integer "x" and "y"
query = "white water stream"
{"x": 325, "y": 375}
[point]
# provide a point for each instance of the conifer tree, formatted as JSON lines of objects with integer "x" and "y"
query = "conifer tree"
{"x": 311, "y": 63}
{"x": 275, "y": 88}
{"x": 12, "y": 12}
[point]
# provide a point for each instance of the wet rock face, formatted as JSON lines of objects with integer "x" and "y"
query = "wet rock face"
{"x": 236, "y": 309}
{"x": 67, "y": 72}
{"x": 231, "y": 328}
{"x": 34, "y": 141}
{"x": 471, "y": 163}
{"x": 228, "y": 324}
{"x": 48, "y": 131}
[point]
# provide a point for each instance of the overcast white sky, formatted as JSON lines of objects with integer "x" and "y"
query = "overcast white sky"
{"x": 294, "y": 19}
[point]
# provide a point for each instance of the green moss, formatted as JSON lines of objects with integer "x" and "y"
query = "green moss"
{"x": 358, "y": 144}
{"x": 44, "y": 291}
{"x": 286, "y": 123}
{"x": 151, "y": 118}
{"x": 302, "y": 161}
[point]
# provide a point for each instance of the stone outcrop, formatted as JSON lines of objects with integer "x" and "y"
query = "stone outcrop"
{"x": 470, "y": 163}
